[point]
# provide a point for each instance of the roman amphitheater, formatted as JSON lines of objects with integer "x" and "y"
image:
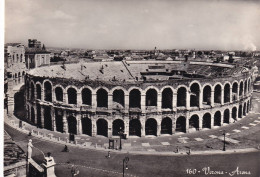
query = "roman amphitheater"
{"x": 143, "y": 98}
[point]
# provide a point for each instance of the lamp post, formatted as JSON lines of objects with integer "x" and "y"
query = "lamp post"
{"x": 125, "y": 161}
{"x": 121, "y": 132}
{"x": 224, "y": 147}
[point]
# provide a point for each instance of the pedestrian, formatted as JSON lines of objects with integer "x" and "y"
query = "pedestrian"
{"x": 108, "y": 155}
{"x": 177, "y": 149}
{"x": 189, "y": 151}
{"x": 66, "y": 149}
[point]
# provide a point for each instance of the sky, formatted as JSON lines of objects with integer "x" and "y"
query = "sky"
{"x": 135, "y": 24}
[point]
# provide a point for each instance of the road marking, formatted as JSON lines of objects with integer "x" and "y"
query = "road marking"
{"x": 165, "y": 143}
{"x": 198, "y": 139}
{"x": 252, "y": 124}
{"x": 229, "y": 140}
{"x": 145, "y": 144}
{"x": 237, "y": 131}
{"x": 127, "y": 144}
{"x": 185, "y": 138}
{"x": 182, "y": 140}
{"x": 257, "y": 121}
{"x": 212, "y": 136}
{"x": 244, "y": 127}
{"x": 151, "y": 150}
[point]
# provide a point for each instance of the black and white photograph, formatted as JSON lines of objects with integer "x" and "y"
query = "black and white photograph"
{"x": 130, "y": 88}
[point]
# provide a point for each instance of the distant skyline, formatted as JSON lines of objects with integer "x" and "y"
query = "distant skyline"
{"x": 135, "y": 24}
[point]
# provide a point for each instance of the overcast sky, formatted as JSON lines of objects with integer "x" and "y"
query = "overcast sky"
{"x": 135, "y": 24}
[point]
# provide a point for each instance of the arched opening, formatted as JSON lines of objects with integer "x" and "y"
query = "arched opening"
{"x": 151, "y": 127}
{"x": 241, "y": 88}
{"x": 72, "y": 96}
{"x": 207, "y": 95}
{"x": 19, "y": 74}
{"x": 217, "y": 94}
{"x": 240, "y": 111}
{"x": 47, "y": 118}
{"x": 134, "y": 127}
{"x": 194, "y": 95}
{"x": 86, "y": 126}
{"x": 248, "y": 108}
{"x": 181, "y": 97}
{"x": 15, "y": 75}
{"x": 59, "y": 120}
{"x": 244, "y": 109}
{"x": 206, "y": 121}
{"x": 181, "y": 124}
{"x": 249, "y": 85}
{"x": 118, "y": 125}
{"x": 234, "y": 113}
{"x": 86, "y": 96}
{"x": 59, "y": 94}
{"x": 227, "y": 93}
{"x": 39, "y": 121}
{"x": 166, "y": 126}
{"x": 23, "y": 73}
{"x": 118, "y": 99}
{"x": 102, "y": 98}
{"x": 48, "y": 91}
{"x": 194, "y": 122}
{"x": 167, "y": 98}
{"x": 226, "y": 116}
{"x": 102, "y": 127}
{"x": 39, "y": 91}
{"x": 32, "y": 115}
{"x": 72, "y": 125}
{"x": 235, "y": 91}
{"x": 135, "y": 99}
{"x": 32, "y": 91}
{"x": 151, "y": 97}
{"x": 245, "y": 88}
{"x": 217, "y": 119}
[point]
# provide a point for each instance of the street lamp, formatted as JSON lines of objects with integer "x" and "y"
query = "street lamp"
{"x": 121, "y": 132}
{"x": 125, "y": 161}
{"x": 224, "y": 147}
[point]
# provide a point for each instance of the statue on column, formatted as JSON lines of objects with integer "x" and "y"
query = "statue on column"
{"x": 29, "y": 149}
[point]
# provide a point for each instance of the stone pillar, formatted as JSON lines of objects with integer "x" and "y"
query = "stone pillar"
{"x": 42, "y": 116}
{"x": 48, "y": 165}
{"x": 42, "y": 92}
{"x": 188, "y": 100}
{"x": 200, "y": 99}
{"x": 35, "y": 114}
{"x": 212, "y": 98}
{"x": 94, "y": 126}
{"x": 109, "y": 130}
{"x": 221, "y": 118}
{"x": 230, "y": 116}
{"x": 159, "y": 102}
{"x": 222, "y": 96}
{"x": 212, "y": 121}
{"x": 200, "y": 122}
{"x": 174, "y": 124}
{"x": 94, "y": 101}
{"x": 79, "y": 99}
{"x": 79, "y": 124}
{"x": 65, "y": 98}
{"x": 174, "y": 100}
{"x": 231, "y": 95}
{"x": 187, "y": 123}
{"x": 52, "y": 94}
{"x": 142, "y": 121}
{"x": 158, "y": 128}
{"x": 127, "y": 103}
{"x": 126, "y": 123}
{"x": 53, "y": 117}
{"x": 64, "y": 121}
{"x": 143, "y": 106}
{"x": 110, "y": 101}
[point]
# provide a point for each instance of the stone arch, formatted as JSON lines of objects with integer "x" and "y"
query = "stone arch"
{"x": 32, "y": 91}
{"x": 134, "y": 127}
{"x": 59, "y": 93}
{"x": 217, "y": 118}
{"x": 182, "y": 96}
{"x": 59, "y": 120}
{"x": 118, "y": 98}
{"x": 32, "y": 115}
{"x": 72, "y": 124}
{"x": 118, "y": 125}
{"x": 181, "y": 124}
{"x": 151, "y": 97}
{"x": 167, "y": 97}
{"x": 227, "y": 93}
{"x": 135, "y": 98}
{"x": 102, "y": 127}
{"x": 194, "y": 122}
{"x": 86, "y": 95}
{"x": 47, "y": 91}
{"x": 226, "y": 116}
{"x": 234, "y": 113}
{"x": 241, "y": 88}
{"x": 39, "y": 121}
{"x": 206, "y": 120}
{"x": 195, "y": 94}
{"x": 39, "y": 91}
{"x": 240, "y": 111}
{"x": 86, "y": 126}
{"x": 102, "y": 98}
{"x": 47, "y": 118}
{"x": 118, "y": 88}
{"x": 72, "y": 95}
{"x": 151, "y": 127}
{"x": 234, "y": 91}
{"x": 166, "y": 126}
{"x": 217, "y": 93}
{"x": 207, "y": 94}
{"x": 244, "y": 109}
